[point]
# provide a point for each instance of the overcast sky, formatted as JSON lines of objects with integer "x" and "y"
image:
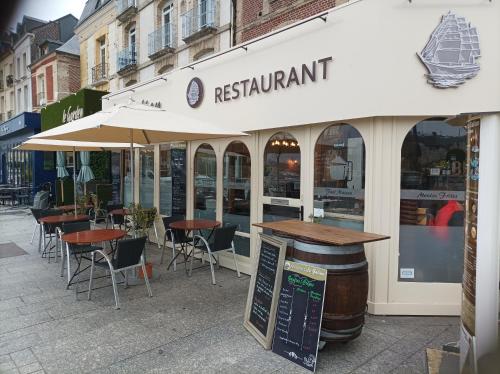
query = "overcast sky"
{"x": 47, "y": 10}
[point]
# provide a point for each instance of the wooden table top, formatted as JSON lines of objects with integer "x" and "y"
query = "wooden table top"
{"x": 119, "y": 212}
{"x": 93, "y": 236}
{"x": 70, "y": 207}
{"x": 322, "y": 233}
{"x": 195, "y": 224}
{"x": 64, "y": 218}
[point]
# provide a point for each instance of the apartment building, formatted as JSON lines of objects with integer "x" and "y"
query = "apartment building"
{"x": 56, "y": 74}
{"x": 128, "y": 41}
{"x": 7, "y": 101}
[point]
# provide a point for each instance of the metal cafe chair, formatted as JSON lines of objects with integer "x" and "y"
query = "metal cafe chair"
{"x": 175, "y": 237}
{"x": 114, "y": 219}
{"x": 129, "y": 254}
{"x": 48, "y": 232}
{"x": 221, "y": 240}
{"x": 77, "y": 250}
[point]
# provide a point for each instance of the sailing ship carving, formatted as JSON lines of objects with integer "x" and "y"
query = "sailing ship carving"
{"x": 450, "y": 54}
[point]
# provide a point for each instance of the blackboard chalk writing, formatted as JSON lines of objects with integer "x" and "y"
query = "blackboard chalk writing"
{"x": 298, "y": 319}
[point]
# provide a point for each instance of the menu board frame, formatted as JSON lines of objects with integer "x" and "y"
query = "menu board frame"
{"x": 265, "y": 340}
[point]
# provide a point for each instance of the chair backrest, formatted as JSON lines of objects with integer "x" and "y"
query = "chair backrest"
{"x": 69, "y": 227}
{"x": 111, "y": 206}
{"x": 179, "y": 234}
{"x": 223, "y": 238}
{"x": 129, "y": 252}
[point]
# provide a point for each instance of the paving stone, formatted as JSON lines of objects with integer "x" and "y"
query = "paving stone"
{"x": 23, "y": 358}
{"x": 31, "y": 368}
{"x": 21, "y": 321}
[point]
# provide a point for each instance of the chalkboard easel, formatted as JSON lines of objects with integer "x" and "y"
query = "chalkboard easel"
{"x": 262, "y": 301}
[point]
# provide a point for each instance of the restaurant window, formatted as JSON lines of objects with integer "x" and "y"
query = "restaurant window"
{"x": 339, "y": 177}
{"x": 236, "y": 184}
{"x": 431, "y": 235}
{"x": 282, "y": 166}
{"x": 205, "y": 177}
{"x": 146, "y": 177}
{"x": 127, "y": 179}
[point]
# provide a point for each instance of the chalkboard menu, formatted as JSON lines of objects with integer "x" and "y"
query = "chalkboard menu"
{"x": 178, "y": 157}
{"x": 298, "y": 319}
{"x": 262, "y": 298}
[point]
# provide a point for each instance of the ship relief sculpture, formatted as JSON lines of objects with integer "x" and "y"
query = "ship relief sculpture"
{"x": 451, "y": 53}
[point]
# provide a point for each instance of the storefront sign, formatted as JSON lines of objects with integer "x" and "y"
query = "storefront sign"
{"x": 275, "y": 81}
{"x": 194, "y": 93}
{"x": 154, "y": 104}
{"x": 298, "y": 319}
{"x": 325, "y": 192}
{"x": 178, "y": 160}
{"x": 69, "y": 115}
{"x": 450, "y": 54}
{"x": 432, "y": 195}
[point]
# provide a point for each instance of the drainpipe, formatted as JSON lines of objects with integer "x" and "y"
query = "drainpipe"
{"x": 233, "y": 22}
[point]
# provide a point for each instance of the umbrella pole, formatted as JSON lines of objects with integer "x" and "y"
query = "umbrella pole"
{"x": 132, "y": 166}
{"x": 74, "y": 180}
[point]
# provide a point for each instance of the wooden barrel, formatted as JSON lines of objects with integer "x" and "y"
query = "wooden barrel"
{"x": 346, "y": 287}
{"x": 290, "y": 240}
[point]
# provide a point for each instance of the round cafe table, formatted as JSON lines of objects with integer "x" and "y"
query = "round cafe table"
{"x": 192, "y": 225}
{"x": 57, "y": 221}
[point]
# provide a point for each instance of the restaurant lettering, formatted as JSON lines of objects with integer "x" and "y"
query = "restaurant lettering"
{"x": 432, "y": 195}
{"x": 70, "y": 115}
{"x": 275, "y": 81}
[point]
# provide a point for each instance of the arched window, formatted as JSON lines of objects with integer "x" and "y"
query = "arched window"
{"x": 236, "y": 184}
{"x": 282, "y": 166}
{"x": 339, "y": 177}
{"x": 205, "y": 178}
{"x": 431, "y": 235}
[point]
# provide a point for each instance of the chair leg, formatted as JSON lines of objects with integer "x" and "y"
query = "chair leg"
{"x": 156, "y": 234}
{"x": 173, "y": 254}
{"x": 163, "y": 250}
{"x": 235, "y": 262}
{"x": 63, "y": 258}
{"x": 146, "y": 279}
{"x": 218, "y": 261}
{"x": 211, "y": 266}
{"x": 68, "y": 266}
{"x": 91, "y": 275}
{"x": 115, "y": 290}
{"x": 126, "y": 279}
{"x": 39, "y": 238}
{"x": 34, "y": 232}
{"x": 191, "y": 262}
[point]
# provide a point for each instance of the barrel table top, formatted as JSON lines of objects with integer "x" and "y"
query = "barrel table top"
{"x": 70, "y": 207}
{"x": 195, "y": 224}
{"x": 119, "y": 212}
{"x": 93, "y": 236}
{"x": 322, "y": 233}
{"x": 63, "y": 218}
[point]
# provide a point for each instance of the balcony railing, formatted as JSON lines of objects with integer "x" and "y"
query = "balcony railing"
{"x": 126, "y": 8}
{"x": 127, "y": 59}
{"x": 9, "y": 80}
{"x": 99, "y": 73}
{"x": 199, "y": 20}
{"x": 161, "y": 41}
{"x": 10, "y": 114}
{"x": 40, "y": 99}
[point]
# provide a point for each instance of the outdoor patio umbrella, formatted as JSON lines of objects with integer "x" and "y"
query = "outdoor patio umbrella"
{"x": 143, "y": 124}
{"x": 85, "y": 173}
{"x": 61, "y": 165}
{"x": 50, "y": 145}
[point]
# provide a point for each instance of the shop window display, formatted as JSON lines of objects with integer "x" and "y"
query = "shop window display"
{"x": 431, "y": 236}
{"x": 236, "y": 183}
{"x": 205, "y": 177}
{"x": 282, "y": 166}
{"x": 339, "y": 177}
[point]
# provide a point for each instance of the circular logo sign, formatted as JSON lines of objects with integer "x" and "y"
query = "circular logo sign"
{"x": 194, "y": 93}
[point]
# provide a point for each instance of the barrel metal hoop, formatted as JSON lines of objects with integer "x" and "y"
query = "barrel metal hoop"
{"x": 328, "y": 250}
{"x": 327, "y": 333}
{"x": 333, "y": 267}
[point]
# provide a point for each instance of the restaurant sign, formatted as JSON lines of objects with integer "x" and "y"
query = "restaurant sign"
{"x": 432, "y": 195}
{"x": 70, "y": 115}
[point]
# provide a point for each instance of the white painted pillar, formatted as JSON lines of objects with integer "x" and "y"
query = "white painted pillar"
{"x": 487, "y": 276}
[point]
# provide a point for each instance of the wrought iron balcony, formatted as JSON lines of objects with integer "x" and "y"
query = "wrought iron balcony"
{"x": 126, "y": 9}
{"x": 161, "y": 41}
{"x": 9, "y": 80}
{"x": 10, "y": 114}
{"x": 99, "y": 73}
{"x": 199, "y": 21}
{"x": 127, "y": 59}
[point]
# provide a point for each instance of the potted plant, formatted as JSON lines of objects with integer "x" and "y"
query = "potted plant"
{"x": 142, "y": 221}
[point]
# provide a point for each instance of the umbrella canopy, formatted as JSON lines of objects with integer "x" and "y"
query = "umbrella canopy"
{"x": 145, "y": 125}
{"x": 60, "y": 165}
{"x": 69, "y": 146}
{"x": 85, "y": 173}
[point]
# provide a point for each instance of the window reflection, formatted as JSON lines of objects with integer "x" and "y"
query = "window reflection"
{"x": 236, "y": 183}
{"x": 339, "y": 177}
{"x": 432, "y": 203}
{"x": 127, "y": 179}
{"x": 165, "y": 180}
{"x": 205, "y": 176}
{"x": 282, "y": 166}
{"x": 146, "y": 180}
